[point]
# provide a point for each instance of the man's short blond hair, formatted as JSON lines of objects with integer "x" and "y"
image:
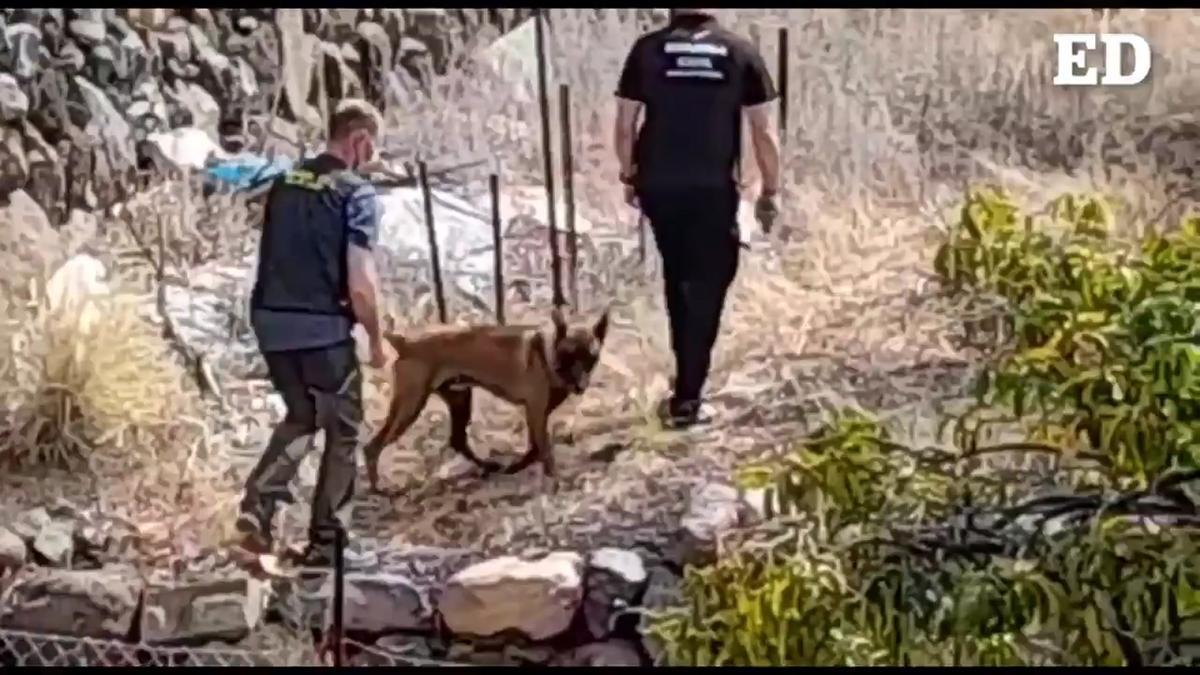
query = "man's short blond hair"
{"x": 351, "y": 115}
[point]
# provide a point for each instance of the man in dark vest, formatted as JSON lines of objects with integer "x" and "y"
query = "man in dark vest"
{"x": 694, "y": 80}
{"x": 316, "y": 279}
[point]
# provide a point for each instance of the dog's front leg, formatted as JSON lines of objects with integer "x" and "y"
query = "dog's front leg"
{"x": 536, "y": 418}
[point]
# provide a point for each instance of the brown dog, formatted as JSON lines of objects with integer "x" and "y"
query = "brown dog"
{"x": 534, "y": 367}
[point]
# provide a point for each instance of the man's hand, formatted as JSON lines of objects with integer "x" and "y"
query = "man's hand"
{"x": 381, "y": 354}
{"x": 766, "y": 210}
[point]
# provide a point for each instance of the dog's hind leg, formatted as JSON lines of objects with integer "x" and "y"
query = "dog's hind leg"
{"x": 459, "y": 403}
{"x": 409, "y": 395}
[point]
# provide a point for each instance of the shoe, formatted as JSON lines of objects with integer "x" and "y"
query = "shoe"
{"x": 255, "y": 539}
{"x": 675, "y": 414}
{"x": 321, "y": 556}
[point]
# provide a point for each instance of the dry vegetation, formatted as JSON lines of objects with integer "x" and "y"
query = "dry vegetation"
{"x": 892, "y": 112}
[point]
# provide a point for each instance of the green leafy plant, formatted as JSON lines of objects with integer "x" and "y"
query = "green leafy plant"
{"x": 1105, "y": 336}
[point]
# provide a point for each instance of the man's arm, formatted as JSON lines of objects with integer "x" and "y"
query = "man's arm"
{"x": 630, "y": 99}
{"x": 766, "y": 144}
{"x": 362, "y": 225}
{"x": 758, "y": 102}
{"x": 624, "y": 133}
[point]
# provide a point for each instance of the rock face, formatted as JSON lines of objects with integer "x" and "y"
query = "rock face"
{"x": 81, "y": 603}
{"x": 202, "y": 611}
{"x": 104, "y": 81}
{"x": 14, "y": 104}
{"x": 537, "y": 598}
{"x": 382, "y": 603}
{"x": 12, "y": 551}
{"x": 600, "y": 654}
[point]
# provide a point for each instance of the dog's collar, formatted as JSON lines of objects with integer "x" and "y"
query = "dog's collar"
{"x": 548, "y": 356}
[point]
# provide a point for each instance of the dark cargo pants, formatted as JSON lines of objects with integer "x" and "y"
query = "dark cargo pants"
{"x": 322, "y": 389}
{"x": 696, "y": 232}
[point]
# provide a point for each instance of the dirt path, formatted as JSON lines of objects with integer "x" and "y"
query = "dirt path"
{"x": 850, "y": 320}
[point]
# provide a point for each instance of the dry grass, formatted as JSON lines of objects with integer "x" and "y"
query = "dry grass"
{"x": 891, "y": 113}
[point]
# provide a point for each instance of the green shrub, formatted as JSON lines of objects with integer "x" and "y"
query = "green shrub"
{"x": 875, "y": 553}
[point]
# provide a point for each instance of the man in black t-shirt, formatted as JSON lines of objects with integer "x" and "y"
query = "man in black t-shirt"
{"x": 694, "y": 80}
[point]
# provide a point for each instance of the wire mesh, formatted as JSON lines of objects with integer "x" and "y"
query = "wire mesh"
{"x": 23, "y": 649}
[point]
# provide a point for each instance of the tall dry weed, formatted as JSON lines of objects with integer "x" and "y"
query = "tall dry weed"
{"x": 70, "y": 386}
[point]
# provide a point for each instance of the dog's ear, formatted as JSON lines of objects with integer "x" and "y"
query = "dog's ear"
{"x": 600, "y": 330}
{"x": 560, "y": 324}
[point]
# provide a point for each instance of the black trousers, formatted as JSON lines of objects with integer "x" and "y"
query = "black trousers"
{"x": 697, "y": 235}
{"x": 322, "y": 389}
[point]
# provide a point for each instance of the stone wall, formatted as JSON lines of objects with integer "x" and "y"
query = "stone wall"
{"x": 72, "y": 572}
{"x": 82, "y": 89}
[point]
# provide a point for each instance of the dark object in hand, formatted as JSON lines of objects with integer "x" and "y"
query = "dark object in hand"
{"x": 766, "y": 210}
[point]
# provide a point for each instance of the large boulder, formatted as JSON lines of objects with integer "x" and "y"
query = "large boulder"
{"x": 615, "y": 579}
{"x": 87, "y": 32}
{"x": 182, "y": 148}
{"x": 713, "y": 510}
{"x": 28, "y": 523}
{"x": 24, "y": 55}
{"x": 55, "y": 542}
{"x": 149, "y": 18}
{"x": 81, "y": 603}
{"x": 14, "y": 166}
{"x": 95, "y": 111}
{"x": 14, "y": 104}
{"x": 537, "y": 598}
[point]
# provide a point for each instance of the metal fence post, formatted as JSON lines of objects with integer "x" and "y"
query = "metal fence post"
{"x": 339, "y": 594}
{"x": 568, "y": 162}
{"x": 783, "y": 82}
{"x": 434, "y": 257}
{"x": 497, "y": 251}
{"x": 547, "y": 163}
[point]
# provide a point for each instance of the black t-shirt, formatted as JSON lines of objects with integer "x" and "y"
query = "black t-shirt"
{"x": 694, "y": 77}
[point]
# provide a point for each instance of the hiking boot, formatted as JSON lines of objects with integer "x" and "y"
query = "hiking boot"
{"x": 676, "y": 414}
{"x": 255, "y": 538}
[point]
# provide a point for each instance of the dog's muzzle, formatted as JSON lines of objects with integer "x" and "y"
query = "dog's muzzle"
{"x": 581, "y": 383}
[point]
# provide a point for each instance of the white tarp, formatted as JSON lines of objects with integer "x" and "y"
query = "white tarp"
{"x": 513, "y": 59}
{"x": 464, "y": 230}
